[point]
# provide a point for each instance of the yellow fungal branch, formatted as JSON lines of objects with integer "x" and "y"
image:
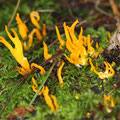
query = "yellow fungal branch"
{"x": 35, "y": 87}
{"x": 92, "y": 66}
{"x": 21, "y": 27}
{"x": 17, "y": 52}
{"x": 72, "y": 33}
{"x": 48, "y": 99}
{"x": 46, "y": 54}
{"x": 91, "y": 50}
{"x": 45, "y": 91}
{"x": 108, "y": 103}
{"x": 62, "y": 42}
{"x": 109, "y": 72}
{"x": 22, "y": 71}
{"x": 109, "y": 36}
{"x": 55, "y": 102}
{"x": 76, "y": 96}
{"x": 109, "y": 99}
{"x": 30, "y": 36}
{"x": 53, "y": 105}
{"x": 44, "y": 32}
{"x": 59, "y": 74}
{"x": 35, "y": 18}
{"x": 39, "y": 67}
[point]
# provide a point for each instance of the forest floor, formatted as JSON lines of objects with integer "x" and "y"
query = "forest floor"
{"x": 81, "y": 80}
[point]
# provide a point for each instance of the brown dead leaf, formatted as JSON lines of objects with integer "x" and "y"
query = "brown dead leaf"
{"x": 20, "y": 112}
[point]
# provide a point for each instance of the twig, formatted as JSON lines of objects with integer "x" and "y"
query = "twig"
{"x": 9, "y": 85}
{"x": 45, "y": 79}
{"x": 115, "y": 12}
{"x": 114, "y": 7}
{"x": 116, "y": 86}
{"x": 101, "y": 10}
{"x": 14, "y": 13}
{"x": 42, "y": 11}
{"x": 68, "y": 8}
{"x": 1, "y": 1}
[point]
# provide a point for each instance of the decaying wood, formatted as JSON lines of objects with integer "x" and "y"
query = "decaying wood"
{"x": 115, "y": 40}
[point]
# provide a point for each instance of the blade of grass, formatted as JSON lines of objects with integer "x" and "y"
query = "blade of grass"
{"x": 33, "y": 99}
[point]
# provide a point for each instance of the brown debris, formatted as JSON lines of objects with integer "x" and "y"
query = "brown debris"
{"x": 20, "y": 112}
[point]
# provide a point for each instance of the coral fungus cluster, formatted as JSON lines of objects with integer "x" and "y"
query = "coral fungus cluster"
{"x": 79, "y": 50}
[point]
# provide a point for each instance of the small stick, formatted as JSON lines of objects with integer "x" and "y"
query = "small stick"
{"x": 114, "y": 8}
{"x": 14, "y": 13}
{"x": 117, "y": 85}
{"x": 43, "y": 11}
{"x": 101, "y": 10}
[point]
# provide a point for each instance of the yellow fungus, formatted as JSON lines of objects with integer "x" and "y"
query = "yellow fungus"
{"x": 109, "y": 35}
{"x": 109, "y": 72}
{"x": 113, "y": 64}
{"x": 45, "y": 91}
{"x": 46, "y": 54}
{"x": 90, "y": 50}
{"x": 76, "y": 96}
{"x": 55, "y": 101}
{"x": 108, "y": 103}
{"x": 39, "y": 67}
{"x": 44, "y": 33}
{"x": 59, "y": 74}
{"x": 62, "y": 42}
{"x": 17, "y": 52}
{"x": 35, "y": 87}
{"x": 72, "y": 33}
{"x": 22, "y": 71}
{"x": 47, "y": 98}
{"x": 88, "y": 115}
{"x": 34, "y": 17}
{"x": 21, "y": 27}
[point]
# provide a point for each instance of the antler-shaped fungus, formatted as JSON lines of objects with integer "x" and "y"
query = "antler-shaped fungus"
{"x": 17, "y": 52}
